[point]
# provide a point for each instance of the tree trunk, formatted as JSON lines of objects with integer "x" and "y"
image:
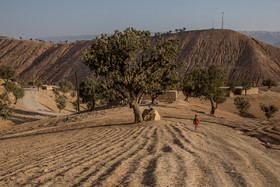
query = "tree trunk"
{"x": 93, "y": 105}
{"x": 140, "y": 98}
{"x": 213, "y": 108}
{"x": 136, "y": 110}
{"x": 153, "y": 100}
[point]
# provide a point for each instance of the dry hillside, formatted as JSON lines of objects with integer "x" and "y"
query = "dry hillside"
{"x": 44, "y": 61}
{"x": 241, "y": 56}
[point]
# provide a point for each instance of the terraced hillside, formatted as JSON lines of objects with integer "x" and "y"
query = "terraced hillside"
{"x": 241, "y": 56}
{"x": 103, "y": 149}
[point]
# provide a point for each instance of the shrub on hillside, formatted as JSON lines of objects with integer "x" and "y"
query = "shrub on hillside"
{"x": 242, "y": 105}
{"x": 60, "y": 102}
{"x": 269, "y": 110}
{"x": 5, "y": 110}
{"x": 14, "y": 88}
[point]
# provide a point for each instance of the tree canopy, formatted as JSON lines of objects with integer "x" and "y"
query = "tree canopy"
{"x": 38, "y": 84}
{"x": 88, "y": 90}
{"x": 60, "y": 102}
{"x": 5, "y": 110}
{"x": 65, "y": 86}
{"x": 269, "y": 83}
{"x": 206, "y": 83}
{"x": 8, "y": 73}
{"x": 242, "y": 105}
{"x": 246, "y": 86}
{"x": 127, "y": 60}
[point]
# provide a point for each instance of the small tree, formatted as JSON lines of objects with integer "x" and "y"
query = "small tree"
{"x": 233, "y": 84}
{"x": 154, "y": 91}
{"x": 75, "y": 104}
{"x": 73, "y": 94}
{"x": 88, "y": 90}
{"x": 5, "y": 110}
{"x": 18, "y": 93}
{"x": 30, "y": 83}
{"x": 60, "y": 102}
{"x": 38, "y": 84}
{"x": 269, "y": 110}
{"x": 219, "y": 98}
{"x": 65, "y": 86}
{"x": 161, "y": 82}
{"x": 269, "y": 83}
{"x": 8, "y": 73}
{"x": 242, "y": 105}
{"x": 17, "y": 90}
{"x": 246, "y": 86}
{"x": 188, "y": 86}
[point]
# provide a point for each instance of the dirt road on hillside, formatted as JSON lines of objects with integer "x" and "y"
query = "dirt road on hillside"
{"x": 106, "y": 150}
{"x": 28, "y": 101}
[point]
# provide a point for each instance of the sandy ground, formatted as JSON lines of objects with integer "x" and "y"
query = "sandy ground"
{"x": 104, "y": 148}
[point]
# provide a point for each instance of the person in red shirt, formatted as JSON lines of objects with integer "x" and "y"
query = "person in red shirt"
{"x": 196, "y": 121}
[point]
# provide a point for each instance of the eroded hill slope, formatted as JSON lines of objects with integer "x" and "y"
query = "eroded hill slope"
{"x": 241, "y": 56}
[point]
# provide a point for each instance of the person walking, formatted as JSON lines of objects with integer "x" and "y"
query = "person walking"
{"x": 196, "y": 122}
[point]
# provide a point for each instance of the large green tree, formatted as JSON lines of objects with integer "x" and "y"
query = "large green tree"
{"x": 89, "y": 91}
{"x": 205, "y": 83}
{"x": 126, "y": 60}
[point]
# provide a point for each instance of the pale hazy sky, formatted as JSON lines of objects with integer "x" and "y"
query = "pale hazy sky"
{"x": 41, "y": 18}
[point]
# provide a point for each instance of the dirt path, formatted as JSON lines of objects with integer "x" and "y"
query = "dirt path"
{"x": 28, "y": 101}
{"x": 106, "y": 150}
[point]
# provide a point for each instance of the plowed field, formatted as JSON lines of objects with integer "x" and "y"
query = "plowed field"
{"x": 104, "y": 149}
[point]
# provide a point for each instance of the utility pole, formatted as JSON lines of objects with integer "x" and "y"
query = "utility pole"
{"x": 222, "y": 20}
{"x": 78, "y": 95}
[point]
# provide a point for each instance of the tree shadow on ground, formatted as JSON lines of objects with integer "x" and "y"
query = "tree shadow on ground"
{"x": 248, "y": 116}
{"x": 28, "y": 116}
{"x": 197, "y": 111}
{"x": 46, "y": 107}
{"x": 19, "y": 120}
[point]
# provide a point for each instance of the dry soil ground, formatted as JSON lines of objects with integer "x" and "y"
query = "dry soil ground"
{"x": 103, "y": 148}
